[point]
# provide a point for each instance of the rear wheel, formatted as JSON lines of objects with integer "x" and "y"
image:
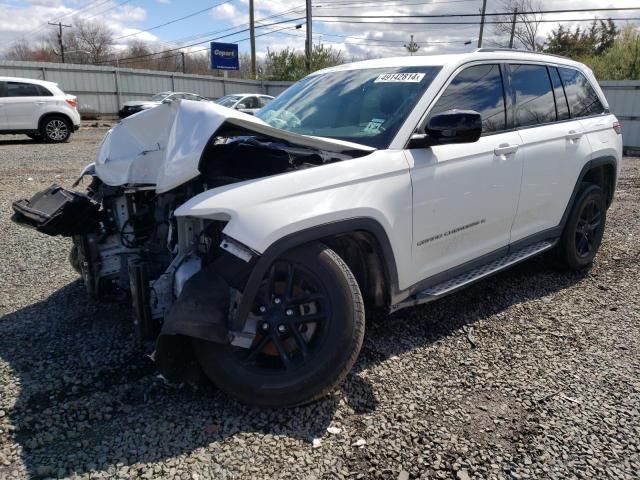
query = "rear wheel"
{"x": 56, "y": 129}
{"x": 309, "y": 321}
{"x": 584, "y": 229}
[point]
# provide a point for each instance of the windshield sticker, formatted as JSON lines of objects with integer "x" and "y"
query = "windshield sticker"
{"x": 400, "y": 77}
{"x": 374, "y": 125}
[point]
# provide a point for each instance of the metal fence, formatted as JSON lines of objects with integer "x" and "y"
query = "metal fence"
{"x": 104, "y": 89}
{"x": 624, "y": 101}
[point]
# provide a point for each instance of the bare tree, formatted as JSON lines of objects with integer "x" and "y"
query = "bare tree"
{"x": 526, "y": 27}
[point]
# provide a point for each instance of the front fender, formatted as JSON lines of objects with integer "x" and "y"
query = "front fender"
{"x": 273, "y": 214}
{"x": 260, "y": 212}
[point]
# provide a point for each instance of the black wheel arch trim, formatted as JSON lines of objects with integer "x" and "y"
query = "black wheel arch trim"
{"x": 47, "y": 115}
{"x": 318, "y": 232}
{"x": 591, "y": 164}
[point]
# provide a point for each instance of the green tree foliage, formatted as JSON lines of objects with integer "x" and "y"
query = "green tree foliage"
{"x": 619, "y": 62}
{"x": 290, "y": 65}
{"x": 595, "y": 40}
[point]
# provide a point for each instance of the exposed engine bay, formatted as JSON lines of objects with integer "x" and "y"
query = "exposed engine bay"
{"x": 127, "y": 242}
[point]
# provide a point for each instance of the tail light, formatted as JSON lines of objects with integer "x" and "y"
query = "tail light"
{"x": 72, "y": 101}
{"x": 617, "y": 127}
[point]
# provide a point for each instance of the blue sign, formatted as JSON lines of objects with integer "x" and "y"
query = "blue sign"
{"x": 224, "y": 56}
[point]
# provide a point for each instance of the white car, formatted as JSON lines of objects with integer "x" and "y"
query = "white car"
{"x": 135, "y": 106}
{"x": 245, "y": 102}
{"x": 38, "y": 109}
{"x": 255, "y": 244}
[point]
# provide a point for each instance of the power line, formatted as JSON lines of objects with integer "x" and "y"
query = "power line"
{"x": 494, "y": 14}
{"x": 197, "y": 43}
{"x": 117, "y": 5}
{"x": 193, "y": 14}
{"x": 477, "y": 22}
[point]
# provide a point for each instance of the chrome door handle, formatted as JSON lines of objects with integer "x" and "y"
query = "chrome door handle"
{"x": 505, "y": 149}
{"x": 573, "y": 135}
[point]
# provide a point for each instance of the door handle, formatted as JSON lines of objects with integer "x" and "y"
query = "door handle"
{"x": 39, "y": 103}
{"x": 505, "y": 149}
{"x": 573, "y": 135}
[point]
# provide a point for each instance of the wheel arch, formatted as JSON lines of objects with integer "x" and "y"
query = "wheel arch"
{"x": 48, "y": 115}
{"x": 361, "y": 242}
{"x": 602, "y": 171}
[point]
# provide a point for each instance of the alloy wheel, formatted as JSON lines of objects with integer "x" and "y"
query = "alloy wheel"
{"x": 57, "y": 130}
{"x": 587, "y": 229}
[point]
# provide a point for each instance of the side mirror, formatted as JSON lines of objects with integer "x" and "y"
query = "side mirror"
{"x": 241, "y": 106}
{"x": 452, "y": 126}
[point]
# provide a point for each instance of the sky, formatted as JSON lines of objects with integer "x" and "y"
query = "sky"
{"x": 128, "y": 19}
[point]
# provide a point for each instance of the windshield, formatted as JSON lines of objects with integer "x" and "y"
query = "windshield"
{"x": 229, "y": 100}
{"x": 365, "y": 106}
{"x": 158, "y": 97}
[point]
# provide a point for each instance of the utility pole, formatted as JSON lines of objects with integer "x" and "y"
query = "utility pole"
{"x": 412, "y": 46}
{"x": 513, "y": 27}
{"x": 309, "y": 42}
{"x": 184, "y": 69}
{"x": 60, "y": 25}
{"x": 484, "y": 10}
{"x": 253, "y": 40}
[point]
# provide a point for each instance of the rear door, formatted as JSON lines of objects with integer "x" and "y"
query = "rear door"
{"x": 465, "y": 196}
{"x": 24, "y": 104}
{"x": 554, "y": 148}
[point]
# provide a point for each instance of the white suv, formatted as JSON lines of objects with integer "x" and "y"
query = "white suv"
{"x": 38, "y": 109}
{"x": 254, "y": 244}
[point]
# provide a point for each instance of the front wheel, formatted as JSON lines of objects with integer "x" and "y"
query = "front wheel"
{"x": 584, "y": 229}
{"x": 309, "y": 322}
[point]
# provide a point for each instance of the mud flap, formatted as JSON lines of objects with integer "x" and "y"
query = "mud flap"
{"x": 57, "y": 211}
{"x": 201, "y": 311}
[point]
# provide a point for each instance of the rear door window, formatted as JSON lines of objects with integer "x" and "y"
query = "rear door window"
{"x": 20, "y": 89}
{"x": 477, "y": 88}
{"x": 583, "y": 99}
{"x": 534, "y": 101}
{"x": 562, "y": 107}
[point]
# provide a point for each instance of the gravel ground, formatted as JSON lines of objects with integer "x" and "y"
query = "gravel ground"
{"x": 530, "y": 374}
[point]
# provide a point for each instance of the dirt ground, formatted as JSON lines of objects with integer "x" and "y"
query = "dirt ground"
{"x": 532, "y": 373}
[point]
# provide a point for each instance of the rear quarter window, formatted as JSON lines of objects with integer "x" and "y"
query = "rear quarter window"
{"x": 581, "y": 96}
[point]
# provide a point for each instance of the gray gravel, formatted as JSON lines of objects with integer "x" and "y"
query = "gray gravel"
{"x": 531, "y": 374}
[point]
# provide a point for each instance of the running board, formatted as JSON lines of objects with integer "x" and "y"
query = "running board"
{"x": 449, "y": 286}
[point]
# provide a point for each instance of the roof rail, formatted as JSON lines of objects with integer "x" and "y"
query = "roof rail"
{"x": 518, "y": 51}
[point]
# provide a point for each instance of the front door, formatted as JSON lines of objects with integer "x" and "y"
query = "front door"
{"x": 465, "y": 196}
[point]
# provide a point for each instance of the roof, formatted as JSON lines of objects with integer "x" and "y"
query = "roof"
{"x": 455, "y": 59}
{"x": 27, "y": 80}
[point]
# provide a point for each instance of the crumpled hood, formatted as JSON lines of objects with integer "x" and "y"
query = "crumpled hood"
{"x": 162, "y": 146}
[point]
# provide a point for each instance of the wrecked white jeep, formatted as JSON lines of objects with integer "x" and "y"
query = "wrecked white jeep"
{"x": 251, "y": 245}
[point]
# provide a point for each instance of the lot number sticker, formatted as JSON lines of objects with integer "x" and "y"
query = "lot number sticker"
{"x": 400, "y": 77}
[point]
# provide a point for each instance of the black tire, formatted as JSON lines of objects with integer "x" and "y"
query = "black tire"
{"x": 55, "y": 129}
{"x": 277, "y": 370}
{"x": 582, "y": 234}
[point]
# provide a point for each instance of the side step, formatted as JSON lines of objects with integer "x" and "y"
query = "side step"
{"x": 464, "y": 279}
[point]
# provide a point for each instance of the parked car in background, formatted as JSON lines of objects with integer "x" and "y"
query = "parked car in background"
{"x": 245, "y": 102}
{"x": 135, "y": 106}
{"x": 37, "y": 108}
